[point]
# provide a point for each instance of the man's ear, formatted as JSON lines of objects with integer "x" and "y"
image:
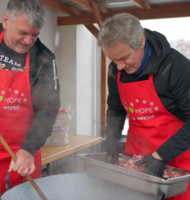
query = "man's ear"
{"x": 5, "y": 21}
{"x": 143, "y": 41}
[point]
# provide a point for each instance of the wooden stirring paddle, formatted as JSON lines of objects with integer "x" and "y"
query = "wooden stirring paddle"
{"x": 30, "y": 179}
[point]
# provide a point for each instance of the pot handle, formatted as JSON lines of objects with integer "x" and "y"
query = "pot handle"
{"x": 7, "y": 182}
{"x": 160, "y": 195}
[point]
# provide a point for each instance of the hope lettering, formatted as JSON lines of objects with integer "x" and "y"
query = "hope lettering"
{"x": 13, "y": 100}
{"x": 144, "y": 110}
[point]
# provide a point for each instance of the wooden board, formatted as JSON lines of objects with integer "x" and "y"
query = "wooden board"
{"x": 76, "y": 143}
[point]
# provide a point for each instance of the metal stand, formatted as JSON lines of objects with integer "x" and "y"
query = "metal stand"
{"x": 160, "y": 196}
{"x": 7, "y": 183}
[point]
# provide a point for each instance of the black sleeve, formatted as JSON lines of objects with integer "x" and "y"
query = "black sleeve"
{"x": 179, "y": 84}
{"x": 116, "y": 114}
{"x": 46, "y": 104}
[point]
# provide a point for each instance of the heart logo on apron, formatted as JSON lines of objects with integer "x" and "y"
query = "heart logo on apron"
{"x": 1, "y": 98}
{"x": 131, "y": 110}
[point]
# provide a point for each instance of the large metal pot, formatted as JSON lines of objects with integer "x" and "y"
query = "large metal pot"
{"x": 72, "y": 187}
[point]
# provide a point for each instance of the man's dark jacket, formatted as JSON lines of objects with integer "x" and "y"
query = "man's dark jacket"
{"x": 45, "y": 99}
{"x": 172, "y": 83}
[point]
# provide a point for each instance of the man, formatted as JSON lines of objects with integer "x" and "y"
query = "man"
{"x": 150, "y": 82}
{"x": 29, "y": 90}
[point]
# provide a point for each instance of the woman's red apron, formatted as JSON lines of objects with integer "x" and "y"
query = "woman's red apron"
{"x": 150, "y": 124}
{"x": 16, "y": 117}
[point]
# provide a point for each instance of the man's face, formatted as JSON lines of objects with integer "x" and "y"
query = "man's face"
{"x": 125, "y": 57}
{"x": 19, "y": 35}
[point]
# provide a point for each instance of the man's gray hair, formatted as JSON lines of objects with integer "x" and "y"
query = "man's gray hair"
{"x": 124, "y": 28}
{"x": 33, "y": 10}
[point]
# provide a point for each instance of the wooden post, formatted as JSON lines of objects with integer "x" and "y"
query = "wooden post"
{"x": 104, "y": 91}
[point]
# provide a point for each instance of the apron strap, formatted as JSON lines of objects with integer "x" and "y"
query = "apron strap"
{"x": 2, "y": 35}
{"x": 118, "y": 76}
{"x": 27, "y": 61}
{"x": 151, "y": 77}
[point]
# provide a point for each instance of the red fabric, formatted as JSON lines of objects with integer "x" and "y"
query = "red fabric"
{"x": 16, "y": 118}
{"x": 150, "y": 124}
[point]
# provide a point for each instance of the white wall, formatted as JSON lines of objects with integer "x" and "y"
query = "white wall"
{"x": 66, "y": 61}
{"x": 85, "y": 81}
{"x": 78, "y": 70}
{"x": 48, "y": 32}
{"x": 76, "y": 53}
{"x": 3, "y": 7}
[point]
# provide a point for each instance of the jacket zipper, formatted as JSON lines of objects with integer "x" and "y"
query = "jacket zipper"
{"x": 39, "y": 71}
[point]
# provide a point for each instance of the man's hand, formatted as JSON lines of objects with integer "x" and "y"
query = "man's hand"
{"x": 24, "y": 164}
{"x": 154, "y": 165}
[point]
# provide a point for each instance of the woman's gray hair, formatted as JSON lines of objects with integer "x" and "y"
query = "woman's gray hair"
{"x": 33, "y": 10}
{"x": 124, "y": 28}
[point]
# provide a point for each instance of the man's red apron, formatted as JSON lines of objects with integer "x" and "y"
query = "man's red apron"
{"x": 16, "y": 117}
{"x": 150, "y": 124}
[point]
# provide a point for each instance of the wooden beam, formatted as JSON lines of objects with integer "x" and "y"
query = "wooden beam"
{"x": 84, "y": 3}
{"x": 86, "y": 18}
{"x": 104, "y": 92}
{"x": 87, "y": 4}
{"x": 97, "y": 14}
{"x": 141, "y": 4}
{"x": 59, "y": 6}
{"x": 168, "y": 11}
{"x": 92, "y": 29}
{"x": 53, "y": 4}
{"x": 104, "y": 10}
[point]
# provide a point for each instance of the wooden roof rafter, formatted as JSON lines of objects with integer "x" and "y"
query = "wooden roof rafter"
{"x": 141, "y": 4}
{"x": 87, "y": 4}
{"x": 59, "y": 6}
{"x": 97, "y": 14}
{"x": 96, "y": 9}
{"x": 157, "y": 12}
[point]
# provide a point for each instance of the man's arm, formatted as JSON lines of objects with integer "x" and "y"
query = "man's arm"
{"x": 114, "y": 128}
{"x": 116, "y": 116}
{"x": 179, "y": 84}
{"x": 46, "y": 104}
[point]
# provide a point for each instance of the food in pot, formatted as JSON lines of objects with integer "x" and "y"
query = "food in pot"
{"x": 172, "y": 173}
{"x": 129, "y": 164}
